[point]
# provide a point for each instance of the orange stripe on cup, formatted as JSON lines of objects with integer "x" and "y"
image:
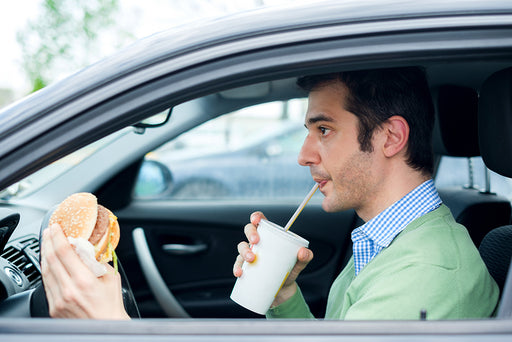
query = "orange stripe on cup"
{"x": 279, "y": 289}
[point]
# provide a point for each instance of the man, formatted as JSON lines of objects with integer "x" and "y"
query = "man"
{"x": 369, "y": 149}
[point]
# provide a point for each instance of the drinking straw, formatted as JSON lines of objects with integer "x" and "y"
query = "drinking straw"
{"x": 301, "y": 206}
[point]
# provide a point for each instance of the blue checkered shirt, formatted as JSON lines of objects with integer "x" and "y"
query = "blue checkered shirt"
{"x": 376, "y": 234}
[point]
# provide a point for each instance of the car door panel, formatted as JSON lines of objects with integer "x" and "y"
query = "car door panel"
{"x": 202, "y": 280}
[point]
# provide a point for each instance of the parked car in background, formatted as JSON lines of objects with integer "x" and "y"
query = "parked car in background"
{"x": 90, "y": 132}
{"x": 261, "y": 163}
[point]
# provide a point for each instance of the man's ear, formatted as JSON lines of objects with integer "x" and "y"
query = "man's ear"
{"x": 396, "y": 130}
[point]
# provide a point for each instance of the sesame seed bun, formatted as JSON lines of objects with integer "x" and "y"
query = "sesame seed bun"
{"x": 77, "y": 215}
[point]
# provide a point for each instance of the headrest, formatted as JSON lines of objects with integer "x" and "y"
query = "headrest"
{"x": 456, "y": 127}
{"x": 495, "y": 122}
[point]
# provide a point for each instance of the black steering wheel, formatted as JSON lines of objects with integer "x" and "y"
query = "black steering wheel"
{"x": 39, "y": 304}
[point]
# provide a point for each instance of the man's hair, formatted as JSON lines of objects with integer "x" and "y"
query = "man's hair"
{"x": 376, "y": 95}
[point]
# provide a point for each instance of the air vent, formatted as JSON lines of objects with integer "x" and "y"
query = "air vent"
{"x": 24, "y": 255}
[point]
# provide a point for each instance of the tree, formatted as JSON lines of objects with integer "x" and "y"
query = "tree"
{"x": 64, "y": 37}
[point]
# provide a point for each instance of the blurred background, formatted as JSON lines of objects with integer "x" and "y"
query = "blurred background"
{"x": 43, "y": 41}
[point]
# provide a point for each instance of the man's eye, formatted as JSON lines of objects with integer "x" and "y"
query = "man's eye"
{"x": 323, "y": 130}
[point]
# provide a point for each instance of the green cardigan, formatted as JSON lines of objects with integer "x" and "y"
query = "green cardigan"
{"x": 431, "y": 266}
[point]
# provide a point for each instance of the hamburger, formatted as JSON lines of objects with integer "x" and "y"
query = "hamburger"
{"x": 91, "y": 229}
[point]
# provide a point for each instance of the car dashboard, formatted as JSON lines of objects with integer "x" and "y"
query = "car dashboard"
{"x": 20, "y": 270}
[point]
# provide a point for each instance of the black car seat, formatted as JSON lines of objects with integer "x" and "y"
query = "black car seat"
{"x": 496, "y": 249}
{"x": 495, "y": 140}
{"x": 456, "y": 135}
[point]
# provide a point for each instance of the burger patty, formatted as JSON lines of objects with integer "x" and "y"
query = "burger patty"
{"x": 101, "y": 226}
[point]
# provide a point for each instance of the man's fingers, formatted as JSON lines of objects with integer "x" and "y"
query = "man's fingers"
{"x": 237, "y": 267}
{"x": 256, "y": 217}
{"x": 48, "y": 280}
{"x": 63, "y": 272}
{"x": 49, "y": 257}
{"x": 304, "y": 256}
{"x": 251, "y": 233}
{"x": 245, "y": 252}
{"x": 242, "y": 247}
{"x": 56, "y": 280}
{"x": 66, "y": 254}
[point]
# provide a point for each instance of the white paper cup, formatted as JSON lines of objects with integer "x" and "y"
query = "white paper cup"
{"x": 261, "y": 280}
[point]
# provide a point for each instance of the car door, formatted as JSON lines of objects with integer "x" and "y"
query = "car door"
{"x": 181, "y": 240}
{"x": 193, "y": 246}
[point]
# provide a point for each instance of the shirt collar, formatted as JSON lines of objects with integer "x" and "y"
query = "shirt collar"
{"x": 383, "y": 228}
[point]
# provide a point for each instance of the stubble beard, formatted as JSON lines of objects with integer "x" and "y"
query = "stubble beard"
{"x": 352, "y": 184}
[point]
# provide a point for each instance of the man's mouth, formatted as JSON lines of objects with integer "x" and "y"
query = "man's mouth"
{"x": 321, "y": 182}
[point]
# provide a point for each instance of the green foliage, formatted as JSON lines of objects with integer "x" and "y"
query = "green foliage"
{"x": 63, "y": 38}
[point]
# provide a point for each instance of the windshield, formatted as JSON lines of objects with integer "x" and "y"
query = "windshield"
{"x": 57, "y": 168}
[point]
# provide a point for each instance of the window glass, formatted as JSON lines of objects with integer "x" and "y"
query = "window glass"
{"x": 42, "y": 177}
{"x": 461, "y": 171}
{"x": 248, "y": 154}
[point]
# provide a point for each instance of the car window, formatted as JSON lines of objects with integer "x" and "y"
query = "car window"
{"x": 54, "y": 170}
{"x": 247, "y": 154}
{"x": 471, "y": 172}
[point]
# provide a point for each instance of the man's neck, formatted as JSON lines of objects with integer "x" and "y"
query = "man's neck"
{"x": 397, "y": 187}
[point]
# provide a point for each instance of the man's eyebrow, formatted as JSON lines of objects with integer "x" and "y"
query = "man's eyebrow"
{"x": 317, "y": 118}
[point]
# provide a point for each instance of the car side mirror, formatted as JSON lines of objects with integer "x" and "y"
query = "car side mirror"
{"x": 154, "y": 179}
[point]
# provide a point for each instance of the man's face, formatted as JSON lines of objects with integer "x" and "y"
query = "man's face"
{"x": 345, "y": 174}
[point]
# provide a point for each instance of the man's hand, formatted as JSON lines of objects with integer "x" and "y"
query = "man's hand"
{"x": 304, "y": 256}
{"x": 72, "y": 290}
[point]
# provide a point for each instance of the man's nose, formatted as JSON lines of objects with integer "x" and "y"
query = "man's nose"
{"x": 308, "y": 154}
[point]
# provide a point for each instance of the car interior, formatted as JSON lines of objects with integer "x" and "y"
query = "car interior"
{"x": 494, "y": 138}
{"x": 177, "y": 255}
{"x": 479, "y": 210}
